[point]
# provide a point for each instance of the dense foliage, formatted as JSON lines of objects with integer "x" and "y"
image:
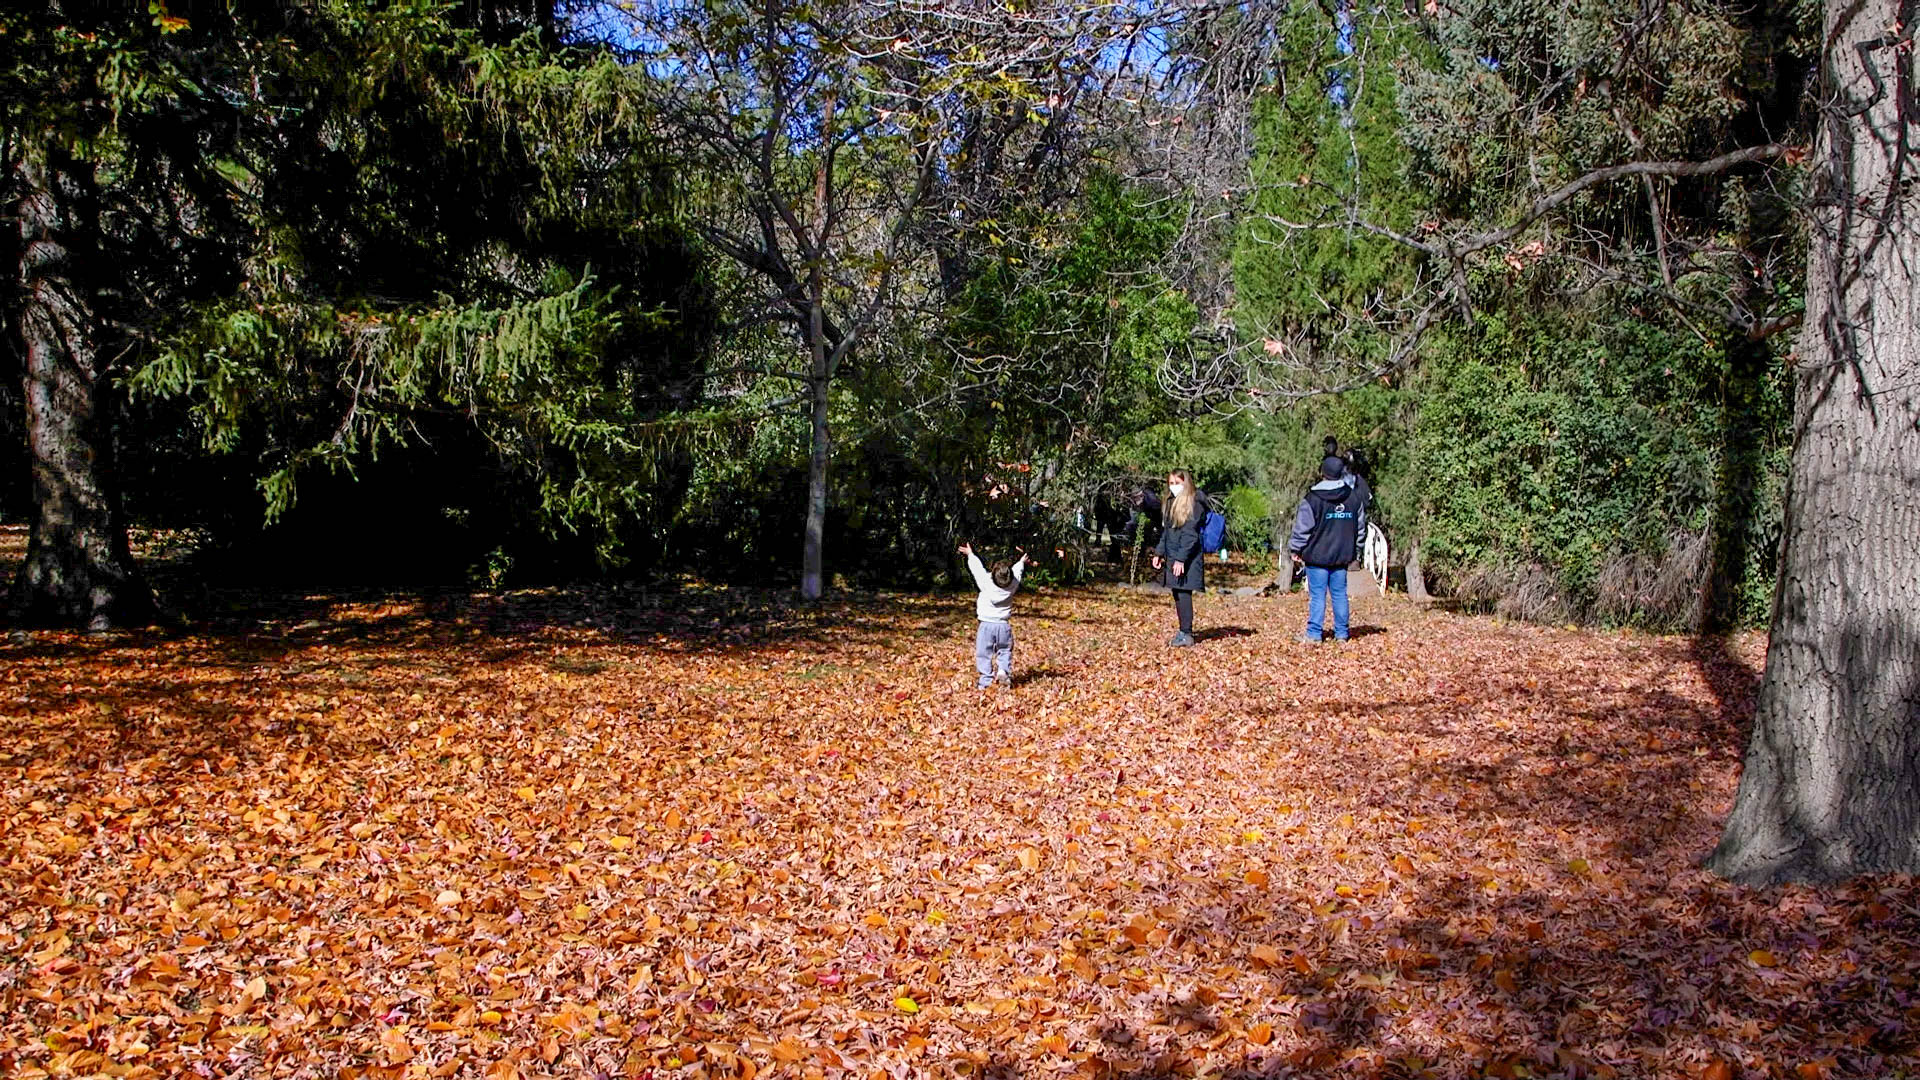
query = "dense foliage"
{"x": 526, "y": 291}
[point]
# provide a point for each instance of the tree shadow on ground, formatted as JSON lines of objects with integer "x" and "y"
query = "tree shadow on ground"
{"x": 1578, "y": 990}
{"x": 1599, "y": 950}
{"x": 1735, "y": 683}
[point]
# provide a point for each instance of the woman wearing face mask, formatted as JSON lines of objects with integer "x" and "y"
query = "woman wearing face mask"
{"x": 1183, "y": 513}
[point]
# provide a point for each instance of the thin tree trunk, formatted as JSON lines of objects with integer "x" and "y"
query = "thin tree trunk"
{"x": 1282, "y": 559}
{"x": 819, "y": 382}
{"x": 1416, "y": 576}
{"x": 1831, "y": 785}
{"x": 811, "y": 584}
{"x": 78, "y": 569}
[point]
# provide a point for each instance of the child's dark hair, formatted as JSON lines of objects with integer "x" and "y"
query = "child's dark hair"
{"x": 1003, "y": 574}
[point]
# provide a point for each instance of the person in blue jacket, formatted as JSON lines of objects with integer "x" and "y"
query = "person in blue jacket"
{"x": 1325, "y": 540}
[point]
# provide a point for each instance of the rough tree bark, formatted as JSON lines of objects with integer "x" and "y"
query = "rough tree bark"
{"x": 1831, "y": 786}
{"x": 78, "y": 569}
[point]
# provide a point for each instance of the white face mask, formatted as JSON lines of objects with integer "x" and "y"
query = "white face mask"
{"x": 1176, "y": 489}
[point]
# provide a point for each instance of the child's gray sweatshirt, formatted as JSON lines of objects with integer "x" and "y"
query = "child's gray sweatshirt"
{"x": 996, "y": 603}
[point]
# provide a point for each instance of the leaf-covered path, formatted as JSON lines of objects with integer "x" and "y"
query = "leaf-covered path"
{"x": 554, "y": 835}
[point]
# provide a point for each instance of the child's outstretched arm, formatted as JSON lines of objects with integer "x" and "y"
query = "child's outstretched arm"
{"x": 1020, "y": 566}
{"x": 978, "y": 569}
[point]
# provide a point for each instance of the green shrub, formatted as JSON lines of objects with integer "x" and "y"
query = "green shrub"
{"x": 1249, "y": 519}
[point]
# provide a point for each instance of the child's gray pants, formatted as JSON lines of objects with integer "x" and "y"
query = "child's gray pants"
{"x": 993, "y": 648}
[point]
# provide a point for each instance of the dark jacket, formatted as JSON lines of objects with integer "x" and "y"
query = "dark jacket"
{"x": 1181, "y": 543}
{"x": 1325, "y": 527}
{"x": 1148, "y": 519}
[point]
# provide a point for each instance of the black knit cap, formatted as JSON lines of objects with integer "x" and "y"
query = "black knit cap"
{"x": 1333, "y": 468}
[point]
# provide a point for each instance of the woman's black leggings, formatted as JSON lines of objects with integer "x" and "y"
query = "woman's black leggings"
{"x": 1183, "y": 604}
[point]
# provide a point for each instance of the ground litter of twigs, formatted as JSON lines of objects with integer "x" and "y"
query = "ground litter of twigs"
{"x": 716, "y": 835}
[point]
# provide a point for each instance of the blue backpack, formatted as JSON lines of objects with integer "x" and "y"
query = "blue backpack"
{"x": 1213, "y": 532}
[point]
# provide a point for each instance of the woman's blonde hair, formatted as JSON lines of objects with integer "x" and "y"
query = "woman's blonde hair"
{"x": 1180, "y": 507}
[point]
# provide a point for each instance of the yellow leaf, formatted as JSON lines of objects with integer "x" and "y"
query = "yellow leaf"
{"x": 447, "y": 897}
{"x": 490, "y": 1017}
{"x": 1763, "y": 958}
{"x": 582, "y": 912}
{"x": 1029, "y": 858}
{"x": 528, "y": 794}
{"x": 906, "y": 1004}
{"x": 1260, "y": 1034}
{"x": 619, "y": 843}
{"x": 1579, "y": 866}
{"x": 673, "y": 819}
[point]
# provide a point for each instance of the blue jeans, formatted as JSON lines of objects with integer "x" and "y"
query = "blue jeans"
{"x": 1320, "y": 580}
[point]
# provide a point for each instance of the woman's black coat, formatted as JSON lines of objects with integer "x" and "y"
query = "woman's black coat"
{"x": 1181, "y": 543}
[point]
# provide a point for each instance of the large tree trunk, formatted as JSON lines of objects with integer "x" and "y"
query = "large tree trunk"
{"x": 1831, "y": 786}
{"x": 78, "y": 570}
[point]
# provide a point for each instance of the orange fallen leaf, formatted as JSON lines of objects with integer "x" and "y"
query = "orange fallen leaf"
{"x": 1260, "y": 1034}
{"x": 394, "y": 1042}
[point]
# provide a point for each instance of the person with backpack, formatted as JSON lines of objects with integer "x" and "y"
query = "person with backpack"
{"x": 1356, "y": 467}
{"x": 1186, "y": 522}
{"x": 1326, "y": 538}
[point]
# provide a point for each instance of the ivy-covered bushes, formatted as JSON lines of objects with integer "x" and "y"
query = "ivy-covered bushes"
{"x": 1563, "y": 470}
